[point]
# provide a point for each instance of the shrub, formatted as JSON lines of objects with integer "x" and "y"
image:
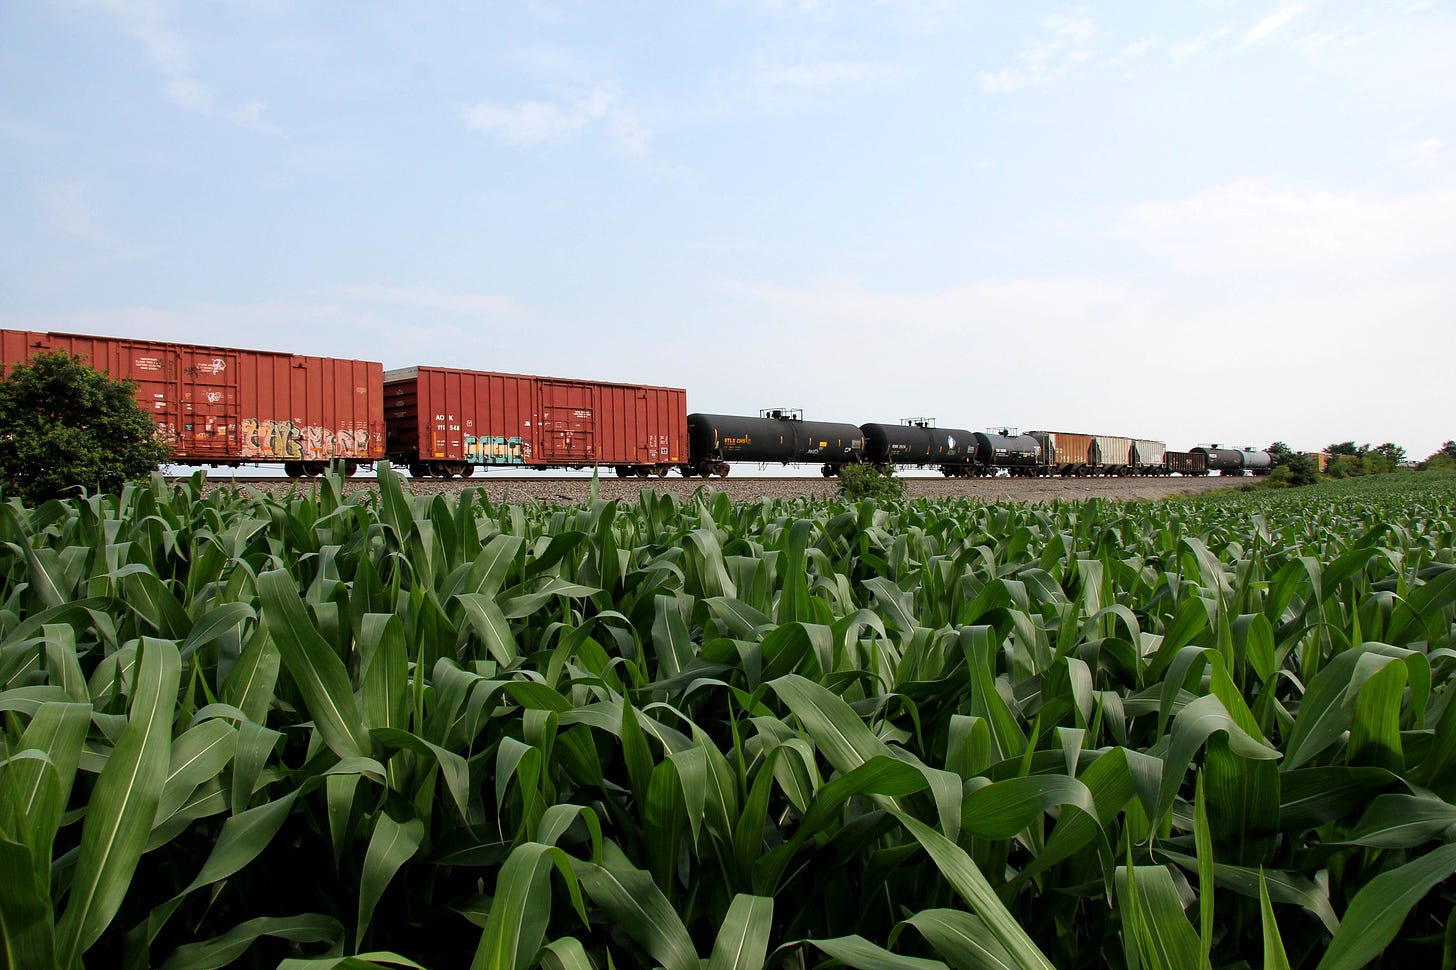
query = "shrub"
{"x": 867, "y": 481}
{"x": 64, "y": 425}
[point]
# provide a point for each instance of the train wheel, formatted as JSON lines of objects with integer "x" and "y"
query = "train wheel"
{"x": 351, "y": 468}
{"x": 661, "y": 471}
{"x": 623, "y": 471}
{"x": 419, "y": 470}
{"x": 641, "y": 471}
{"x": 442, "y": 469}
{"x": 312, "y": 469}
{"x": 466, "y": 469}
{"x": 722, "y": 469}
{"x": 293, "y": 469}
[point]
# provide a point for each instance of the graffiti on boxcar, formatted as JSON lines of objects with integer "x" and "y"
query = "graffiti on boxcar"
{"x": 495, "y": 450}
{"x": 261, "y": 438}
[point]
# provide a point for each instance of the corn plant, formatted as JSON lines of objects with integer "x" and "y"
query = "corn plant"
{"x": 397, "y": 730}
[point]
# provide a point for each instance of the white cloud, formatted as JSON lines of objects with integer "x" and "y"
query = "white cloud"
{"x": 1273, "y": 23}
{"x": 250, "y": 115}
{"x": 1427, "y": 153}
{"x": 1250, "y": 225}
{"x": 1197, "y": 45}
{"x": 1064, "y": 46}
{"x": 529, "y": 123}
{"x": 150, "y": 22}
{"x": 1140, "y": 47}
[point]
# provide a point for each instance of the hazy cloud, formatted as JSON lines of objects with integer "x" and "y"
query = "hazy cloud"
{"x": 1197, "y": 45}
{"x": 467, "y": 304}
{"x": 1426, "y": 153}
{"x": 71, "y": 213}
{"x": 150, "y": 23}
{"x": 1066, "y": 44}
{"x": 529, "y": 123}
{"x": 822, "y": 73}
{"x": 1251, "y": 225}
{"x": 1272, "y": 23}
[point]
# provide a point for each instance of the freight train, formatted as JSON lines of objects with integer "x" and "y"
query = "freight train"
{"x": 224, "y": 406}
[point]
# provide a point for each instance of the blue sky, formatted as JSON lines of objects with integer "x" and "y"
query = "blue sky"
{"x": 1227, "y": 221}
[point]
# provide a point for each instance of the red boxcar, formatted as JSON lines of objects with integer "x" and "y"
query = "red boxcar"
{"x": 225, "y": 406}
{"x": 445, "y": 421}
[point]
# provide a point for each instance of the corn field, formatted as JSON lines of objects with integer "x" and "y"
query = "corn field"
{"x": 388, "y": 730}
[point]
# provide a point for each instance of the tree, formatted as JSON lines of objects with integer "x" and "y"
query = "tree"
{"x": 64, "y": 425}
{"x": 1443, "y": 460}
{"x": 1392, "y": 452}
{"x": 1279, "y": 454}
{"x": 1346, "y": 448}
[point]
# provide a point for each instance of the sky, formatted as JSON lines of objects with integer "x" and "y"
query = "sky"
{"x": 1219, "y": 221}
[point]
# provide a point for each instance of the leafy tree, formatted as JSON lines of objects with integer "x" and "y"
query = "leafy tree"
{"x": 1392, "y": 452}
{"x": 1443, "y": 460}
{"x": 866, "y": 481}
{"x": 64, "y": 425}
{"x": 1346, "y": 448}
{"x": 1279, "y": 453}
{"x": 1303, "y": 469}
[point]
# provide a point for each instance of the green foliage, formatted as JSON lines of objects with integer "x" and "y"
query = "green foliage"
{"x": 1443, "y": 460}
{"x": 858, "y": 482}
{"x": 1393, "y": 453}
{"x": 398, "y": 730}
{"x": 1290, "y": 468}
{"x": 65, "y": 425}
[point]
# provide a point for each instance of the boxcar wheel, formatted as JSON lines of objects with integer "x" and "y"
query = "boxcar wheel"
{"x": 466, "y": 470}
{"x": 623, "y": 471}
{"x": 418, "y": 470}
{"x": 293, "y": 469}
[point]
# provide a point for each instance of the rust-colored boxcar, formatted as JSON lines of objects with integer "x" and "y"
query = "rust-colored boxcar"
{"x": 1185, "y": 462}
{"x": 446, "y": 421}
{"x": 227, "y": 406}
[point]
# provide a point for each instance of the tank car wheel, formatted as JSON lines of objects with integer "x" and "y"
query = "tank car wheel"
{"x": 722, "y": 470}
{"x": 418, "y": 470}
